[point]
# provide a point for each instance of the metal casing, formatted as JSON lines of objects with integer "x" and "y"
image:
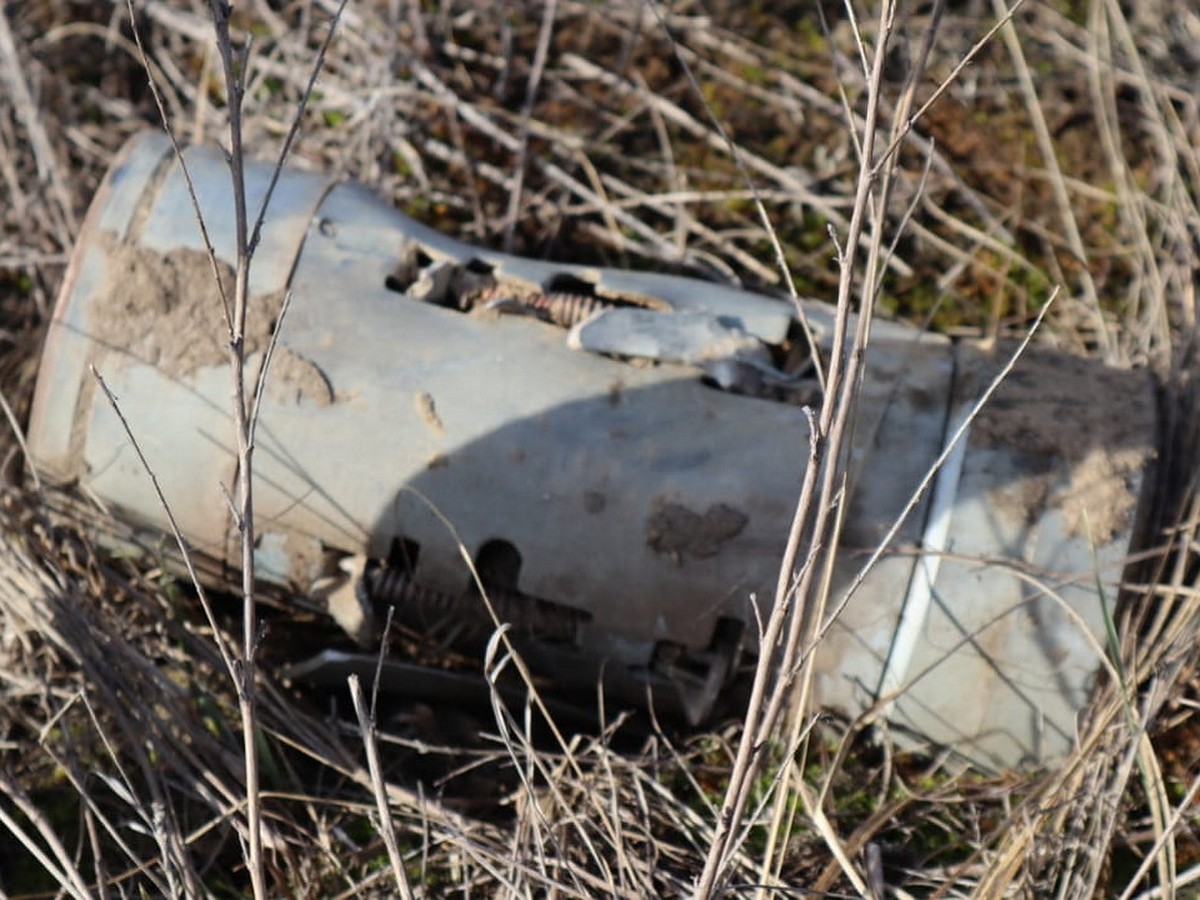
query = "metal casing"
{"x": 636, "y": 500}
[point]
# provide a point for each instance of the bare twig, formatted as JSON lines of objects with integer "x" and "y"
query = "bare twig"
{"x": 1066, "y": 215}
{"x": 387, "y": 828}
{"x": 235, "y": 73}
{"x": 818, "y": 514}
{"x": 531, "y": 88}
{"x": 180, "y": 541}
{"x": 285, "y": 148}
{"x": 57, "y": 861}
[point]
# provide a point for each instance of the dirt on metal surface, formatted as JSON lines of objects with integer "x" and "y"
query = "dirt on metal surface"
{"x": 294, "y": 378}
{"x": 1098, "y": 421}
{"x": 165, "y": 309}
{"x": 1100, "y": 501}
{"x": 675, "y": 530}
{"x": 427, "y": 410}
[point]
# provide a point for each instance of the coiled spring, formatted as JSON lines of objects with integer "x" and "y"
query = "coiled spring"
{"x": 463, "y": 619}
{"x": 561, "y": 308}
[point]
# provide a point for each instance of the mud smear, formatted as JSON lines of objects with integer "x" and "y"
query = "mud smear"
{"x": 165, "y": 309}
{"x": 293, "y": 378}
{"x": 675, "y": 530}
{"x": 1099, "y": 502}
{"x": 1100, "y": 422}
{"x": 427, "y": 410}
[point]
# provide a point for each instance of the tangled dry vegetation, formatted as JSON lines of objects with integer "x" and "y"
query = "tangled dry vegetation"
{"x": 1067, "y": 153}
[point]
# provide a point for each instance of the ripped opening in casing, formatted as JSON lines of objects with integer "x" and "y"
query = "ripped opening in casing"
{"x": 637, "y": 329}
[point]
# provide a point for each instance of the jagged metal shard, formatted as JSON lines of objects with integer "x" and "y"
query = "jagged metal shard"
{"x": 618, "y": 452}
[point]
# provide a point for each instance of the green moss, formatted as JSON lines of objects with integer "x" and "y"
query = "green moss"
{"x": 755, "y": 74}
{"x": 272, "y": 87}
{"x": 808, "y": 30}
{"x": 1075, "y": 10}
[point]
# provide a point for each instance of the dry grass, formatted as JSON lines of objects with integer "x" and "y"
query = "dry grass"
{"x": 1065, "y": 154}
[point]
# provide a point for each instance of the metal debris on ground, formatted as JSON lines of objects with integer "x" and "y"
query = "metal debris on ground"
{"x": 619, "y": 453}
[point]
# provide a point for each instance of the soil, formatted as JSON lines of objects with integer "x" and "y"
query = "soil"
{"x": 427, "y": 410}
{"x": 985, "y": 245}
{"x": 165, "y": 310}
{"x": 675, "y": 530}
{"x": 1099, "y": 421}
{"x": 1100, "y": 501}
{"x": 294, "y": 378}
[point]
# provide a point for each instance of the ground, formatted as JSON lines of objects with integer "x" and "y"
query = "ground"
{"x": 1064, "y": 154}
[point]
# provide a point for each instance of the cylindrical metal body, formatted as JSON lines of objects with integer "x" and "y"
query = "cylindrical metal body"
{"x": 625, "y": 487}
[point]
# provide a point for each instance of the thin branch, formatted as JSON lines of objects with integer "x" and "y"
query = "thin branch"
{"x": 235, "y": 91}
{"x": 176, "y": 533}
{"x": 286, "y": 149}
{"x": 531, "y": 88}
{"x": 226, "y": 308}
{"x": 386, "y": 826}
